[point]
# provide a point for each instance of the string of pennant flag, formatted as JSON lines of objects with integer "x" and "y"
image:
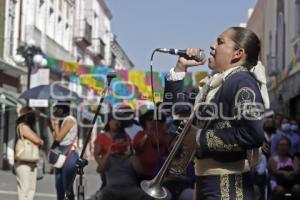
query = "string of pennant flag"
{"x": 131, "y": 86}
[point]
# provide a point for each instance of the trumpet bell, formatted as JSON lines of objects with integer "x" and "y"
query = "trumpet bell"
{"x": 154, "y": 190}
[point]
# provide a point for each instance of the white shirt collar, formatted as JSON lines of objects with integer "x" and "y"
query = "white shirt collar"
{"x": 228, "y": 71}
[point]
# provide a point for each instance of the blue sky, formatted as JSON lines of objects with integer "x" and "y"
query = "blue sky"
{"x": 144, "y": 25}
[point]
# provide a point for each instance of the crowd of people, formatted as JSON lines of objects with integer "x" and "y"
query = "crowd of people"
{"x": 277, "y": 174}
{"x": 132, "y": 150}
{"x": 129, "y": 151}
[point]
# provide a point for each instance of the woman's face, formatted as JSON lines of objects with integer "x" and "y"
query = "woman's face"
{"x": 150, "y": 124}
{"x": 223, "y": 52}
{"x": 283, "y": 147}
{"x": 114, "y": 124}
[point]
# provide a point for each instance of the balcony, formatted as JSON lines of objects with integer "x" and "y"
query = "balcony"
{"x": 97, "y": 50}
{"x": 83, "y": 34}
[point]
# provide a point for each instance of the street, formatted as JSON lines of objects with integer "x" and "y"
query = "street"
{"x": 45, "y": 189}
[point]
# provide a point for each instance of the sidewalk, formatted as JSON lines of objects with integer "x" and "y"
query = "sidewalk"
{"x": 45, "y": 189}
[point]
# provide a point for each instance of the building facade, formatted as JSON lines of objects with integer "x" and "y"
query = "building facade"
{"x": 77, "y": 31}
{"x": 278, "y": 25}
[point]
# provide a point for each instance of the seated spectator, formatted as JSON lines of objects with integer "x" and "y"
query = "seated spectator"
{"x": 269, "y": 132}
{"x": 103, "y": 143}
{"x": 260, "y": 171}
{"x": 127, "y": 115}
{"x": 119, "y": 165}
{"x": 297, "y": 176}
{"x": 150, "y": 145}
{"x": 282, "y": 171}
{"x": 295, "y": 127}
{"x": 260, "y": 177}
{"x": 285, "y": 130}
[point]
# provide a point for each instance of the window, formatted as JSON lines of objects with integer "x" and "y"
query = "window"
{"x": 40, "y": 15}
{"x": 11, "y": 19}
{"x": 50, "y": 29}
{"x": 41, "y": 3}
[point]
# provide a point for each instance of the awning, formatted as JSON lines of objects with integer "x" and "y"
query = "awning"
{"x": 13, "y": 97}
{"x": 12, "y": 69}
{"x": 6, "y": 102}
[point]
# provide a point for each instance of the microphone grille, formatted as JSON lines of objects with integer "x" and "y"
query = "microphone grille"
{"x": 111, "y": 75}
{"x": 200, "y": 56}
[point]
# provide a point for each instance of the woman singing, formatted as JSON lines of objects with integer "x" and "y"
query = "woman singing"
{"x": 230, "y": 123}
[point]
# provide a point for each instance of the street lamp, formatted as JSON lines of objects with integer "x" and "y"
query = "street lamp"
{"x": 30, "y": 55}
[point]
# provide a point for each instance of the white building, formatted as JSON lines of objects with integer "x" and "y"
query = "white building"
{"x": 119, "y": 58}
{"x": 70, "y": 30}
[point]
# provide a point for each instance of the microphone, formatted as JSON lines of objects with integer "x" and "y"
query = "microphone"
{"x": 200, "y": 55}
{"x": 110, "y": 76}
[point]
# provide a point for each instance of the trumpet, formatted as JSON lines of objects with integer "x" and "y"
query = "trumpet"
{"x": 154, "y": 187}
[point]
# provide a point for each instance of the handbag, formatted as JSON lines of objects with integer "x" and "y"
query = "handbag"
{"x": 57, "y": 154}
{"x": 26, "y": 150}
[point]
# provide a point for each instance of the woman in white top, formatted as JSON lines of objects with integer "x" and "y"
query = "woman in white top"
{"x": 65, "y": 133}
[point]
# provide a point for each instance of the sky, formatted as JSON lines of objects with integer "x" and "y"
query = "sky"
{"x": 144, "y": 25}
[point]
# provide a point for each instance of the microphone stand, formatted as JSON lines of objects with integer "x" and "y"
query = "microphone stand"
{"x": 82, "y": 162}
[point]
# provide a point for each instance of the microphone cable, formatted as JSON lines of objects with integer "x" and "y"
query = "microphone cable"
{"x": 153, "y": 99}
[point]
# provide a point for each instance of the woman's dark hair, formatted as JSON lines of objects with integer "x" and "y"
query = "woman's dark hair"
{"x": 27, "y": 117}
{"x": 149, "y": 115}
{"x": 62, "y": 109}
{"x": 248, "y": 40}
{"x": 110, "y": 117}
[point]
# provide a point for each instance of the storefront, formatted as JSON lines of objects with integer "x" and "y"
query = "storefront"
{"x": 9, "y": 104}
{"x": 285, "y": 98}
{"x": 8, "y": 109}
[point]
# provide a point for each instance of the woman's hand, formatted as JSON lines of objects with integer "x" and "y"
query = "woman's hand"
{"x": 60, "y": 131}
{"x": 29, "y": 134}
{"x": 54, "y": 123}
{"x": 183, "y": 63}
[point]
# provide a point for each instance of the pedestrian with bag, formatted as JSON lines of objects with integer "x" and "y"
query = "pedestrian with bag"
{"x": 63, "y": 153}
{"x": 26, "y": 153}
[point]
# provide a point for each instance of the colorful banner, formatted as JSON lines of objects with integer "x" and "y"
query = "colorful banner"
{"x": 287, "y": 71}
{"x": 132, "y": 86}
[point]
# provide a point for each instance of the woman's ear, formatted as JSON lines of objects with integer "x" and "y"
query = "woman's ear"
{"x": 239, "y": 54}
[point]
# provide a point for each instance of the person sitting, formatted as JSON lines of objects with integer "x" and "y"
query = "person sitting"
{"x": 260, "y": 171}
{"x": 127, "y": 116}
{"x": 285, "y": 130}
{"x": 282, "y": 171}
{"x": 295, "y": 127}
{"x": 150, "y": 146}
{"x": 118, "y": 164}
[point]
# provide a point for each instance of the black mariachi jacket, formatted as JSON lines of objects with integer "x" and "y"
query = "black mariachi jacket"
{"x": 237, "y": 124}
